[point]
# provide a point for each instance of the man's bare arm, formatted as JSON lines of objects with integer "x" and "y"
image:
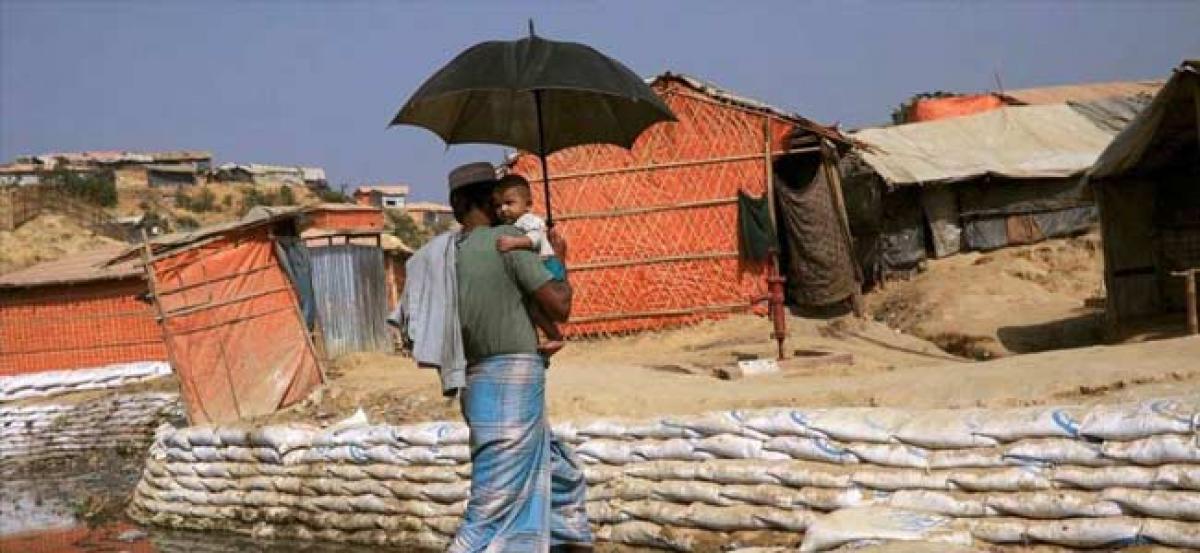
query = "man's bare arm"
{"x": 554, "y": 297}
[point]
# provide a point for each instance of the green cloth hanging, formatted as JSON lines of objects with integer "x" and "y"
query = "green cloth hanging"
{"x": 755, "y": 234}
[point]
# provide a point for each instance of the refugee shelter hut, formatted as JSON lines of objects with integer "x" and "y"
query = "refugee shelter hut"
{"x": 654, "y": 229}
{"x": 1147, "y": 185}
{"x": 78, "y": 314}
{"x": 350, "y": 277}
{"x": 230, "y": 316}
{"x": 1003, "y": 177}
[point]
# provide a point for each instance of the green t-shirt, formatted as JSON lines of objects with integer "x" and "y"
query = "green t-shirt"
{"x": 492, "y": 290}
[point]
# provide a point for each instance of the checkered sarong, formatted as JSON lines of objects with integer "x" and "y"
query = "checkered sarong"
{"x": 527, "y": 490}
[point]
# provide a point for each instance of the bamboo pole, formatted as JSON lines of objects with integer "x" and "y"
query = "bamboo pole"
{"x": 151, "y": 283}
{"x": 650, "y": 209}
{"x": 661, "y": 313}
{"x": 652, "y": 260}
{"x": 769, "y": 163}
{"x": 839, "y": 205}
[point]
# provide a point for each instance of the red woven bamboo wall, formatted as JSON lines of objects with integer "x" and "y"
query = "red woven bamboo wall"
{"x": 84, "y": 325}
{"x": 664, "y": 264}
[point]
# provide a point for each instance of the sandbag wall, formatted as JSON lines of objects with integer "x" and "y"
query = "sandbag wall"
{"x": 51, "y": 430}
{"x": 50, "y": 383}
{"x": 1073, "y": 476}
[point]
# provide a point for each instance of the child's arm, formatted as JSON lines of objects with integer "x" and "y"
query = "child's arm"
{"x": 506, "y": 243}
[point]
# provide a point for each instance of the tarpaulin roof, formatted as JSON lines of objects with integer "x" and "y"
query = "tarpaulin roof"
{"x": 83, "y": 267}
{"x": 1013, "y": 141}
{"x": 726, "y": 96}
{"x": 1062, "y": 94}
{"x": 1163, "y": 130}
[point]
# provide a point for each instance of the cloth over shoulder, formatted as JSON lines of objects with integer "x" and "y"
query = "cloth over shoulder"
{"x": 428, "y": 311}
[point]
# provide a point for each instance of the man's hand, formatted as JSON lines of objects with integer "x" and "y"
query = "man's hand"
{"x": 507, "y": 243}
{"x": 558, "y": 242}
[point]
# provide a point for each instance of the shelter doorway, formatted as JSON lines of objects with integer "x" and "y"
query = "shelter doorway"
{"x": 814, "y": 254}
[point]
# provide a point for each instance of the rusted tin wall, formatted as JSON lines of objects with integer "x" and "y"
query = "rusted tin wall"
{"x": 352, "y": 298}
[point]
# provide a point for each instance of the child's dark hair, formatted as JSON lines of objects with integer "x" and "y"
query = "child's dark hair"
{"x": 515, "y": 181}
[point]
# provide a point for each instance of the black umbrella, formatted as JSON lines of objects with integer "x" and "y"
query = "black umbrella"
{"x": 537, "y": 95}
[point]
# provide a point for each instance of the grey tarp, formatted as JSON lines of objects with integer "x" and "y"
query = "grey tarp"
{"x": 815, "y": 257}
{"x": 940, "y": 205}
{"x": 1014, "y": 141}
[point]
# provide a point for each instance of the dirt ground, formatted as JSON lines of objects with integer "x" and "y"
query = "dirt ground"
{"x": 45, "y": 238}
{"x": 1014, "y": 300}
{"x": 671, "y": 373}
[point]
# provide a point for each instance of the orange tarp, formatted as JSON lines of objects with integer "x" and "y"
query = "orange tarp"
{"x": 653, "y": 234}
{"x": 236, "y": 337}
{"x": 930, "y": 109}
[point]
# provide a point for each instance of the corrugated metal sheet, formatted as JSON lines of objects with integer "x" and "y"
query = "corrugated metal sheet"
{"x": 352, "y": 298}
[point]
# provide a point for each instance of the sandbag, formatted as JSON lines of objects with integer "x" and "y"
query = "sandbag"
{"x": 890, "y": 455}
{"x": 663, "y": 470}
{"x": 1037, "y": 422}
{"x": 737, "y": 472}
{"x": 1053, "y": 504}
{"x": 677, "y": 491}
{"x": 678, "y": 449}
{"x": 1056, "y": 451}
{"x": 1171, "y": 532}
{"x": 658, "y": 512}
{"x": 726, "y": 446}
{"x": 1141, "y": 420}
{"x": 725, "y": 519}
{"x": 611, "y": 452}
{"x": 1155, "y": 450}
{"x": 940, "y": 502}
{"x": 714, "y": 423}
{"x": 648, "y": 534}
{"x": 1086, "y": 532}
{"x": 1002, "y": 480}
{"x": 811, "y": 449}
{"x": 849, "y": 526}
{"x": 1177, "y": 505}
{"x": 782, "y": 422}
{"x": 945, "y": 429}
{"x": 605, "y": 512}
{"x": 877, "y": 425}
{"x": 1105, "y": 477}
{"x": 901, "y": 479}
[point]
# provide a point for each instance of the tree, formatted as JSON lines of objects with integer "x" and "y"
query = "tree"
{"x": 407, "y": 230}
{"x": 286, "y": 196}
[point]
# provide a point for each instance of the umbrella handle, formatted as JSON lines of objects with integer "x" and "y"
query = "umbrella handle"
{"x": 537, "y": 103}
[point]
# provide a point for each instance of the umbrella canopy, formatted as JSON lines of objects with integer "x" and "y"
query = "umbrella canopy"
{"x": 537, "y": 95}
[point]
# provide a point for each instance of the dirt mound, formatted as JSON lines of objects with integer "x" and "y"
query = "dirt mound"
{"x": 1014, "y": 300}
{"x": 46, "y": 238}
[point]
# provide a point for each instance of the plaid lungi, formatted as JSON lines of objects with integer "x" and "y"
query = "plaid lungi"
{"x": 527, "y": 490}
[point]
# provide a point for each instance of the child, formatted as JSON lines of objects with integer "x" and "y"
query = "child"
{"x": 513, "y": 201}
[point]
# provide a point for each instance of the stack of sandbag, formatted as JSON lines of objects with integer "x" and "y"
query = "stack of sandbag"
{"x": 1074, "y": 477}
{"x": 50, "y": 383}
{"x": 43, "y": 431}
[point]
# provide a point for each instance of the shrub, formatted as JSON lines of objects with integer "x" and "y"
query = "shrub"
{"x": 98, "y": 187}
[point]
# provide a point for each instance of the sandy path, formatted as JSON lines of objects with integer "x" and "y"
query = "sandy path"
{"x": 649, "y": 375}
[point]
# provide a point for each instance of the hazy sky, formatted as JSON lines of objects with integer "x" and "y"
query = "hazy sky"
{"x": 315, "y": 83}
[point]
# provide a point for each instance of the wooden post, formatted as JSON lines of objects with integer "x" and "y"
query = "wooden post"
{"x": 839, "y": 205}
{"x": 1189, "y": 292}
{"x": 152, "y": 285}
{"x": 769, "y": 163}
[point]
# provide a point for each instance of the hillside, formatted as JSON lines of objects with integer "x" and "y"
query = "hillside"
{"x": 45, "y": 238}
